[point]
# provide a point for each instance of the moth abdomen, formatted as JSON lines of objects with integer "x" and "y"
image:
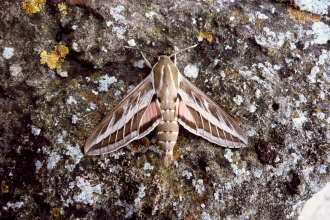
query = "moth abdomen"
{"x": 167, "y": 132}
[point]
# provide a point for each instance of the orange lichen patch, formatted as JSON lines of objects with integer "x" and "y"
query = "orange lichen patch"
{"x": 175, "y": 191}
{"x": 302, "y": 16}
{"x": 206, "y": 35}
{"x": 135, "y": 147}
{"x": 138, "y": 143}
{"x": 4, "y": 187}
{"x": 189, "y": 218}
{"x": 177, "y": 153}
{"x": 239, "y": 17}
{"x": 55, "y": 212}
{"x": 32, "y": 6}
{"x": 55, "y": 58}
{"x": 92, "y": 97}
{"x": 62, "y": 9}
{"x": 229, "y": 73}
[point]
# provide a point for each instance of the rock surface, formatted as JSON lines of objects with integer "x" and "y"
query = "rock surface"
{"x": 266, "y": 62}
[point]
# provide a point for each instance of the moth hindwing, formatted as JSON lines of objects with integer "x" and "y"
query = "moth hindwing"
{"x": 162, "y": 101}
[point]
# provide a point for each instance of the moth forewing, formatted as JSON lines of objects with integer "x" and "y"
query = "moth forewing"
{"x": 162, "y": 101}
{"x": 210, "y": 121}
{"x": 122, "y": 125}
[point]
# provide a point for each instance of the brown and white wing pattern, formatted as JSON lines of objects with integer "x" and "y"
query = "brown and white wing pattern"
{"x": 134, "y": 117}
{"x": 201, "y": 116}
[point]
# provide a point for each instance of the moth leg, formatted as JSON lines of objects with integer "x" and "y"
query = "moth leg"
{"x": 146, "y": 61}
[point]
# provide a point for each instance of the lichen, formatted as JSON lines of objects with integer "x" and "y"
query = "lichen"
{"x": 32, "y": 6}
{"x": 55, "y": 212}
{"x": 206, "y": 35}
{"x": 55, "y": 58}
{"x": 62, "y": 9}
{"x": 73, "y": 82}
{"x": 302, "y": 16}
{"x": 4, "y": 187}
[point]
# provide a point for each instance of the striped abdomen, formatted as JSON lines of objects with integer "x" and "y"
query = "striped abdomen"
{"x": 166, "y": 134}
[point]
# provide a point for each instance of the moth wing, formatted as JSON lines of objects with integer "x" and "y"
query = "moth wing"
{"x": 134, "y": 117}
{"x": 200, "y": 115}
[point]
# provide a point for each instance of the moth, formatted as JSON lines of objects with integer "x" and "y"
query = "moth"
{"x": 162, "y": 101}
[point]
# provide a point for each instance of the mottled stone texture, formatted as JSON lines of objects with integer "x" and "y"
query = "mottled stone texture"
{"x": 268, "y": 71}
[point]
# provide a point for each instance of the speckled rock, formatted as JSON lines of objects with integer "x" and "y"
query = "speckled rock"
{"x": 267, "y": 63}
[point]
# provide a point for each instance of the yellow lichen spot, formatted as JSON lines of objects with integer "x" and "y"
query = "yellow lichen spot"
{"x": 177, "y": 154}
{"x": 207, "y": 0}
{"x": 206, "y": 35}
{"x": 4, "y": 187}
{"x": 62, "y": 50}
{"x": 55, "y": 212}
{"x": 302, "y": 16}
{"x": 55, "y": 58}
{"x": 32, "y": 6}
{"x": 62, "y": 9}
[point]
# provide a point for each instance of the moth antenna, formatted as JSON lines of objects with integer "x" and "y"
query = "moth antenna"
{"x": 184, "y": 49}
{"x": 175, "y": 59}
{"x": 145, "y": 59}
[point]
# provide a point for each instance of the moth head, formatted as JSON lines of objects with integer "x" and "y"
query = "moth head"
{"x": 163, "y": 57}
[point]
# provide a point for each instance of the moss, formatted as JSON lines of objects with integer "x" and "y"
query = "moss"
{"x": 32, "y": 6}
{"x": 95, "y": 77}
{"x": 73, "y": 82}
{"x": 57, "y": 82}
{"x": 55, "y": 58}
